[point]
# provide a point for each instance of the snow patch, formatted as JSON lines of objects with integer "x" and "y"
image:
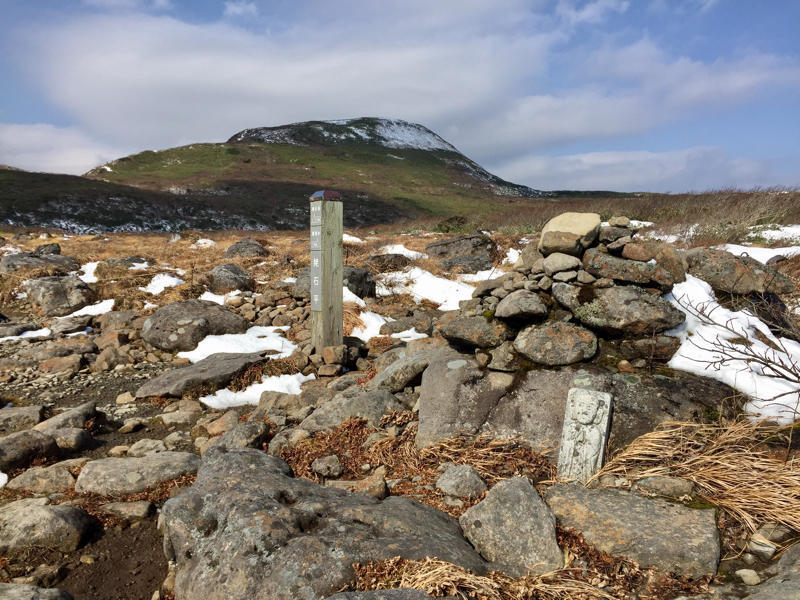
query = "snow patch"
{"x": 140, "y": 266}
{"x": 348, "y": 296}
{"x": 400, "y": 249}
{"x": 762, "y": 255}
{"x": 33, "y": 333}
{"x": 511, "y": 256}
{"x": 3, "y": 480}
{"x": 218, "y": 298}
{"x": 351, "y": 239}
{"x": 288, "y": 384}
{"x": 87, "y": 272}
{"x": 423, "y": 285}
{"x": 203, "y": 243}
{"x": 99, "y": 308}
{"x": 771, "y": 397}
{"x": 255, "y": 339}
{"x": 481, "y": 275}
{"x": 161, "y": 282}
{"x": 372, "y": 325}
{"x": 409, "y": 334}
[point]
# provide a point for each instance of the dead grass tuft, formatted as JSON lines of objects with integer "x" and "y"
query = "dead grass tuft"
{"x": 731, "y": 464}
{"x": 255, "y": 373}
{"x": 588, "y": 575}
{"x": 494, "y": 459}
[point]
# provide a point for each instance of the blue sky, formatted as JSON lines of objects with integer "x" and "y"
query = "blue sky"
{"x": 630, "y": 95}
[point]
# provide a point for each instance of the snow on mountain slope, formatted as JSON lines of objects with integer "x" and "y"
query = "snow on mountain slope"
{"x": 390, "y": 133}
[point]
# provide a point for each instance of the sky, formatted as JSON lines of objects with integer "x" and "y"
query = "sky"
{"x": 626, "y": 95}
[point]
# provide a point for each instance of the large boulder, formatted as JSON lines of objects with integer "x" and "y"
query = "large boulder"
{"x": 629, "y": 311}
{"x": 456, "y": 396}
{"x": 470, "y": 263}
{"x": 626, "y": 271}
{"x": 121, "y": 476}
{"x": 16, "y": 418}
{"x": 246, "y": 247}
{"x": 736, "y": 274}
{"x": 228, "y": 277}
{"x": 459, "y": 397}
{"x": 569, "y": 233}
{"x": 464, "y": 245}
{"x": 30, "y": 523}
{"x": 19, "y": 449}
{"x": 386, "y": 263}
{"x": 57, "y": 296}
{"x": 669, "y": 536}
{"x": 357, "y": 280}
{"x": 47, "y": 249}
{"x": 25, "y": 261}
{"x": 513, "y": 510}
{"x": 181, "y": 325}
{"x": 295, "y": 540}
{"x": 556, "y": 343}
{"x": 73, "y": 417}
{"x": 216, "y": 370}
{"x": 474, "y": 332}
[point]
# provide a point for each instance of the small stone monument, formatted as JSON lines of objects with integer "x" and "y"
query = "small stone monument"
{"x": 587, "y": 422}
{"x": 325, "y": 271}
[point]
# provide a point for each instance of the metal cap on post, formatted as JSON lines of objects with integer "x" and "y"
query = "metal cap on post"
{"x": 326, "y": 269}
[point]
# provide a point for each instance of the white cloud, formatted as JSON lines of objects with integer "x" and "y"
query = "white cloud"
{"x": 43, "y": 147}
{"x": 235, "y": 8}
{"x": 499, "y": 80}
{"x": 129, "y": 5}
{"x": 591, "y": 12}
{"x": 698, "y": 169}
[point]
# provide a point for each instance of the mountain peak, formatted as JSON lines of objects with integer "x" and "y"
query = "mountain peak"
{"x": 389, "y": 133}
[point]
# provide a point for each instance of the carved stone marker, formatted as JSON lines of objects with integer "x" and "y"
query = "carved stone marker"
{"x": 326, "y": 269}
{"x": 587, "y": 422}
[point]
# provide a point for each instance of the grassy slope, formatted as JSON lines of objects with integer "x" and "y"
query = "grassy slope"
{"x": 419, "y": 183}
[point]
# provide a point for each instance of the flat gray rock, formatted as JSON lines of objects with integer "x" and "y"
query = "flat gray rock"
{"x": 408, "y": 367}
{"x": 121, "y": 476}
{"x": 295, "y": 540}
{"x": 513, "y": 510}
{"x": 18, "y": 591}
{"x": 27, "y": 260}
{"x": 217, "y": 370}
{"x": 652, "y": 532}
{"x": 353, "y": 402}
{"x": 47, "y": 480}
{"x": 31, "y": 522}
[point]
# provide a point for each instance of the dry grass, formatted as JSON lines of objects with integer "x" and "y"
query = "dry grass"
{"x": 587, "y": 574}
{"x": 495, "y": 460}
{"x": 439, "y": 578}
{"x": 731, "y": 464}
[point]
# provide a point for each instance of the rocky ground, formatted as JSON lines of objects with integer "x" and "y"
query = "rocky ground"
{"x": 143, "y": 461}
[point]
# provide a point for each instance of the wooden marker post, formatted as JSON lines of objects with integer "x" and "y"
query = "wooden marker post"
{"x": 326, "y": 269}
